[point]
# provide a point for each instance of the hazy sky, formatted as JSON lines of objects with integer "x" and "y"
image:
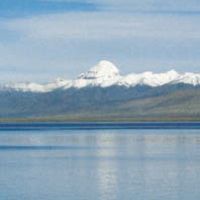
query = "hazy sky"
{"x": 44, "y": 39}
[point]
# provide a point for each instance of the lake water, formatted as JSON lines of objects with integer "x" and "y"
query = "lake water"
{"x": 100, "y": 164}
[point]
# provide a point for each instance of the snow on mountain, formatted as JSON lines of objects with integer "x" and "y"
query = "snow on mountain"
{"x": 106, "y": 74}
{"x": 103, "y": 74}
{"x": 188, "y": 78}
{"x": 35, "y": 87}
{"x": 103, "y": 70}
{"x": 149, "y": 78}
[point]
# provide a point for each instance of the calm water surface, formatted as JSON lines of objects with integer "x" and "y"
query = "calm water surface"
{"x": 100, "y": 165}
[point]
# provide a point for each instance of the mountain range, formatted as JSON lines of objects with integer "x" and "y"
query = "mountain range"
{"x": 102, "y": 93}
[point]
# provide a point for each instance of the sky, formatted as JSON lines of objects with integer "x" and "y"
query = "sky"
{"x": 41, "y": 40}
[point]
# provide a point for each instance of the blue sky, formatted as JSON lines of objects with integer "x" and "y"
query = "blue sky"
{"x": 23, "y": 8}
{"x": 44, "y": 39}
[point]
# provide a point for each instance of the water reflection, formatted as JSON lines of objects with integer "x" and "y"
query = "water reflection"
{"x": 108, "y": 165}
{"x": 107, "y": 169}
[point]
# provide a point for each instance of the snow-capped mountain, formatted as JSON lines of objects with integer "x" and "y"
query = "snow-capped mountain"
{"x": 106, "y": 74}
{"x": 104, "y": 93}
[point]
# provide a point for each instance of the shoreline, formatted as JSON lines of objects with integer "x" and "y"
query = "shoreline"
{"x": 96, "y": 125}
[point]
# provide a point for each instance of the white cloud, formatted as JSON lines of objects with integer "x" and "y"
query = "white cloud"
{"x": 76, "y": 26}
{"x": 69, "y": 43}
{"x": 104, "y": 25}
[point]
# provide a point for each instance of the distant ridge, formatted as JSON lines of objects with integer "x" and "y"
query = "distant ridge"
{"x": 106, "y": 74}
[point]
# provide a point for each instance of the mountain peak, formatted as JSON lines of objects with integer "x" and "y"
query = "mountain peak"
{"x": 172, "y": 72}
{"x": 104, "y": 69}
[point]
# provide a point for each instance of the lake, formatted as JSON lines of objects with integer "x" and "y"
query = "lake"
{"x": 103, "y": 164}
